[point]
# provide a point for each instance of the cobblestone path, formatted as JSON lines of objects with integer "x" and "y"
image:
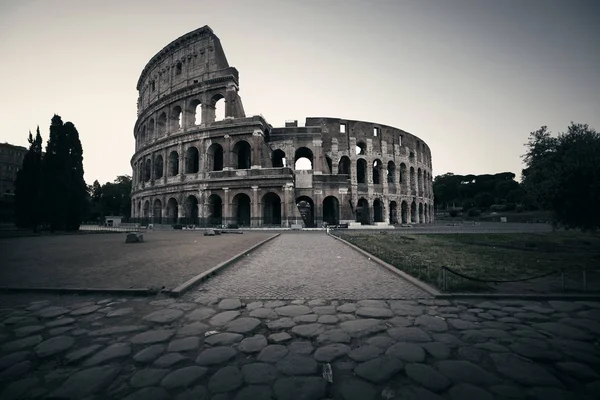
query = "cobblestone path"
{"x": 308, "y": 266}
{"x": 199, "y": 347}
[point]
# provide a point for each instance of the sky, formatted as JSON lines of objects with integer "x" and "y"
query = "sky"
{"x": 471, "y": 78}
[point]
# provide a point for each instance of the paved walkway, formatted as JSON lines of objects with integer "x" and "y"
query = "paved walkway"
{"x": 201, "y": 348}
{"x": 308, "y": 265}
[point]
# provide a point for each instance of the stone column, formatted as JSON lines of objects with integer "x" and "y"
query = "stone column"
{"x": 181, "y": 162}
{"x": 318, "y": 157}
{"x": 255, "y": 217}
{"x": 228, "y": 162}
{"x": 256, "y": 159}
{"x": 165, "y": 165}
{"x": 225, "y": 210}
{"x": 152, "y": 156}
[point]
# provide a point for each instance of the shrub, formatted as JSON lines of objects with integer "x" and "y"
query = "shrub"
{"x": 453, "y": 213}
{"x": 178, "y": 226}
{"x": 474, "y": 212}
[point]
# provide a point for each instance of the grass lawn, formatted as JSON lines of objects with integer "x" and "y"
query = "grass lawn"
{"x": 500, "y": 256}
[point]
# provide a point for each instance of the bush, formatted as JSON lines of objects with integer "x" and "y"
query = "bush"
{"x": 178, "y": 226}
{"x": 473, "y": 212}
{"x": 510, "y": 206}
{"x": 453, "y": 213}
{"x": 498, "y": 207}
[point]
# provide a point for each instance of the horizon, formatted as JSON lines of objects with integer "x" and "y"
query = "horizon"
{"x": 471, "y": 79}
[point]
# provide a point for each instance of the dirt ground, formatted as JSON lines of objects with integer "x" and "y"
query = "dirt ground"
{"x": 106, "y": 261}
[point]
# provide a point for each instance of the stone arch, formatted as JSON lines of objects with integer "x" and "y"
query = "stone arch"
{"x": 377, "y": 172}
{"x": 413, "y": 189}
{"x": 391, "y": 173}
{"x": 150, "y": 132}
{"x": 176, "y": 119}
{"x": 331, "y": 210}
{"x": 344, "y": 166}
{"x": 191, "y": 210}
{"x": 362, "y": 211}
{"x": 192, "y": 160}
{"x": 157, "y": 211}
{"x": 420, "y": 181}
{"x": 278, "y": 159}
{"x": 420, "y": 213}
{"x": 142, "y": 136}
{"x": 173, "y": 168}
{"x": 360, "y": 149}
{"x": 361, "y": 170}
{"x": 158, "y": 167}
{"x": 215, "y": 210}
{"x": 215, "y": 157}
{"x": 377, "y": 210}
{"x": 306, "y": 207}
{"x": 404, "y": 212}
{"x": 413, "y": 212}
{"x": 303, "y": 153}
{"x": 146, "y": 213}
{"x": 242, "y": 209}
{"x": 172, "y": 211}
{"x": 393, "y": 212}
{"x": 402, "y": 174}
{"x": 194, "y": 112}
{"x": 271, "y": 209}
{"x": 329, "y": 163}
{"x": 242, "y": 153}
{"x": 161, "y": 124}
{"x": 217, "y": 110}
{"x": 148, "y": 170}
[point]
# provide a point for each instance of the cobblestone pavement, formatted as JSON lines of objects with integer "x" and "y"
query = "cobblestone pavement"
{"x": 199, "y": 347}
{"x": 308, "y": 265}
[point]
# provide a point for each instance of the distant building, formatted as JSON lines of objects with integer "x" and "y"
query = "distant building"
{"x": 11, "y": 161}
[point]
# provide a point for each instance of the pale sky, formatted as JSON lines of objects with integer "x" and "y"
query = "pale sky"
{"x": 470, "y": 77}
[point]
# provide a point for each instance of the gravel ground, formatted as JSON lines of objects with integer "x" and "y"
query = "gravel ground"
{"x": 106, "y": 261}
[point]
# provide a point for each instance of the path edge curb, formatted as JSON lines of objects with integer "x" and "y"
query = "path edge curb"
{"x": 421, "y": 285}
{"x": 67, "y": 291}
{"x": 184, "y": 287}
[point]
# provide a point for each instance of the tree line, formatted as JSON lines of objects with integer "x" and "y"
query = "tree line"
{"x": 50, "y": 189}
{"x": 561, "y": 175}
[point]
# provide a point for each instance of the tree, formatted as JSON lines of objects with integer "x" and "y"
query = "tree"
{"x": 112, "y": 198}
{"x": 28, "y": 186}
{"x": 64, "y": 189}
{"x": 484, "y": 200}
{"x": 562, "y": 174}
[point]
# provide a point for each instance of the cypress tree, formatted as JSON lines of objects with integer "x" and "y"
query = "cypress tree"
{"x": 27, "y": 185}
{"x": 56, "y": 171}
{"x": 77, "y": 190}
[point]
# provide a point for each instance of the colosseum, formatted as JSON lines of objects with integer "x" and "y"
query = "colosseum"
{"x": 192, "y": 167}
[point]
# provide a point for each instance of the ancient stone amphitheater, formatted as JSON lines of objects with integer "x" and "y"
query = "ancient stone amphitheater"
{"x": 189, "y": 167}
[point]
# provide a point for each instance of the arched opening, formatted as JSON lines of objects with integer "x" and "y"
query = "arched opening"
{"x": 161, "y": 124}
{"x": 362, "y": 211}
{"x": 361, "y": 149}
{"x": 376, "y": 172}
{"x": 142, "y": 136}
{"x": 140, "y": 168}
{"x": 303, "y": 159}
{"x": 215, "y": 157}
{"x": 404, "y": 212}
{"x": 420, "y": 181}
{"x": 172, "y": 211}
{"x": 195, "y": 112}
{"x": 344, "y": 166}
{"x": 331, "y": 210}
{"x": 306, "y": 207}
{"x": 150, "y": 133}
{"x": 413, "y": 189}
{"x": 425, "y": 213}
{"x": 191, "y": 210}
{"x": 377, "y": 211}
{"x": 173, "y": 168}
{"x": 243, "y": 154}
{"x": 420, "y": 213}
{"x": 278, "y": 159}
{"x": 146, "y": 209}
{"x": 402, "y": 174}
{"x": 329, "y": 164}
{"x": 192, "y": 160}
{"x": 219, "y": 104}
{"x": 157, "y": 212}
{"x": 158, "y": 167}
{"x": 148, "y": 170}
{"x": 215, "y": 210}
{"x": 139, "y": 209}
{"x": 176, "y": 116}
{"x": 271, "y": 205}
{"x": 241, "y": 207}
{"x": 393, "y": 212}
{"x": 361, "y": 170}
{"x": 391, "y": 173}
{"x": 413, "y": 212}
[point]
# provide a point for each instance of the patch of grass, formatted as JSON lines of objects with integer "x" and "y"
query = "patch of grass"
{"x": 500, "y": 256}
